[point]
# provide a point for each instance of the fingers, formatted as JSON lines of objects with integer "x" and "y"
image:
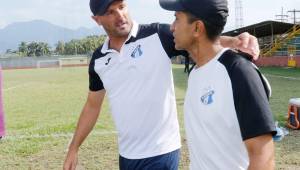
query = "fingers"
{"x": 70, "y": 164}
{"x": 253, "y": 47}
{"x": 249, "y": 44}
{"x": 67, "y": 166}
{"x": 73, "y": 166}
{"x": 244, "y": 39}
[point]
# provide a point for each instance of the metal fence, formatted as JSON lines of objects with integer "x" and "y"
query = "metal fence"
{"x": 29, "y": 62}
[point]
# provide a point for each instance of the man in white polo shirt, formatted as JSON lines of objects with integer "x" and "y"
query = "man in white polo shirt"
{"x": 134, "y": 70}
{"x": 228, "y": 120}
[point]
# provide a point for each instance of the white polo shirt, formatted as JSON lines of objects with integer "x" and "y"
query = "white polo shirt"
{"x": 139, "y": 85}
{"x": 225, "y": 104}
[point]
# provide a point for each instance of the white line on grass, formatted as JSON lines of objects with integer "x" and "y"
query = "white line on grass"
{"x": 17, "y": 86}
{"x": 289, "y": 78}
{"x": 56, "y": 135}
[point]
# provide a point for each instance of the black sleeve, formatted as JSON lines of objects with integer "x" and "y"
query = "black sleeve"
{"x": 167, "y": 40}
{"x": 95, "y": 83}
{"x": 251, "y": 102}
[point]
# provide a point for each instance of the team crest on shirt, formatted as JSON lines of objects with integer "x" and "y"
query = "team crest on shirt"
{"x": 137, "y": 52}
{"x": 207, "y": 98}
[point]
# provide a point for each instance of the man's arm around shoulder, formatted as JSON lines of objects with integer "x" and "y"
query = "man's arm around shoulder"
{"x": 244, "y": 42}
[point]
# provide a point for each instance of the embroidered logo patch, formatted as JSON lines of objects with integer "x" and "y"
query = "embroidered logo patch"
{"x": 207, "y": 98}
{"x": 137, "y": 52}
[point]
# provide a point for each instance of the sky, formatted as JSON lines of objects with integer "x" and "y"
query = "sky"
{"x": 76, "y": 13}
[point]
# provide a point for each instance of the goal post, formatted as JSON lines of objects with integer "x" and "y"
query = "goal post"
{"x": 63, "y": 62}
{"x": 73, "y": 61}
{"x": 47, "y": 63}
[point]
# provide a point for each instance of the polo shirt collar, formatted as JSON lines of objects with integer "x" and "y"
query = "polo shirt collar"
{"x": 133, "y": 33}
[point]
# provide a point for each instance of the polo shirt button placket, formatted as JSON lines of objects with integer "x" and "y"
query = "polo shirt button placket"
{"x": 121, "y": 57}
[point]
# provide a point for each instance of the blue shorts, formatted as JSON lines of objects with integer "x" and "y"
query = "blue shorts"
{"x": 168, "y": 161}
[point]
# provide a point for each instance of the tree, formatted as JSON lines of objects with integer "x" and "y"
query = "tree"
{"x": 42, "y": 49}
{"x": 70, "y": 47}
{"x": 60, "y": 48}
{"x": 32, "y": 48}
{"x": 38, "y": 49}
{"x": 91, "y": 43}
{"x": 23, "y": 49}
{"x": 83, "y": 46}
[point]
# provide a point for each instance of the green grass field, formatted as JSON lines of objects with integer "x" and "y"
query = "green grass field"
{"x": 42, "y": 107}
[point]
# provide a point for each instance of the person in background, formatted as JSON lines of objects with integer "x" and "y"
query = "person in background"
{"x": 186, "y": 64}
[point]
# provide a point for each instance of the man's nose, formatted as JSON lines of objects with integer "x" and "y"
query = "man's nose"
{"x": 119, "y": 14}
{"x": 172, "y": 27}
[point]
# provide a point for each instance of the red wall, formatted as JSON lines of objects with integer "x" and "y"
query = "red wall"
{"x": 276, "y": 61}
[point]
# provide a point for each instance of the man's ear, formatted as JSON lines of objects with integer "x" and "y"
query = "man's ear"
{"x": 97, "y": 19}
{"x": 198, "y": 28}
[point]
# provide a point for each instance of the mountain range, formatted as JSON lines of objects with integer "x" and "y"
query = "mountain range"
{"x": 41, "y": 31}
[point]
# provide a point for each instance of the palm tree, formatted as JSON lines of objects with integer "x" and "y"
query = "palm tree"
{"x": 32, "y": 48}
{"x": 45, "y": 48}
{"x": 42, "y": 49}
{"x": 60, "y": 48}
{"x": 23, "y": 48}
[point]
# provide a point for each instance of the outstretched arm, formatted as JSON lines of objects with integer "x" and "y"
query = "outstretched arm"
{"x": 87, "y": 121}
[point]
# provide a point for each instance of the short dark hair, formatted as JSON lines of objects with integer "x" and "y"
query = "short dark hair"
{"x": 213, "y": 31}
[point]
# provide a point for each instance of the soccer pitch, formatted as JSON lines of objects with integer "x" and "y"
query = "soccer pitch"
{"x": 42, "y": 107}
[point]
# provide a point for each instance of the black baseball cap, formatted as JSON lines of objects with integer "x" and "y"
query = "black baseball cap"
{"x": 99, "y": 7}
{"x": 212, "y": 11}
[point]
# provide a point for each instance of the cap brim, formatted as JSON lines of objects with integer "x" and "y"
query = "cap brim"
{"x": 171, "y": 5}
